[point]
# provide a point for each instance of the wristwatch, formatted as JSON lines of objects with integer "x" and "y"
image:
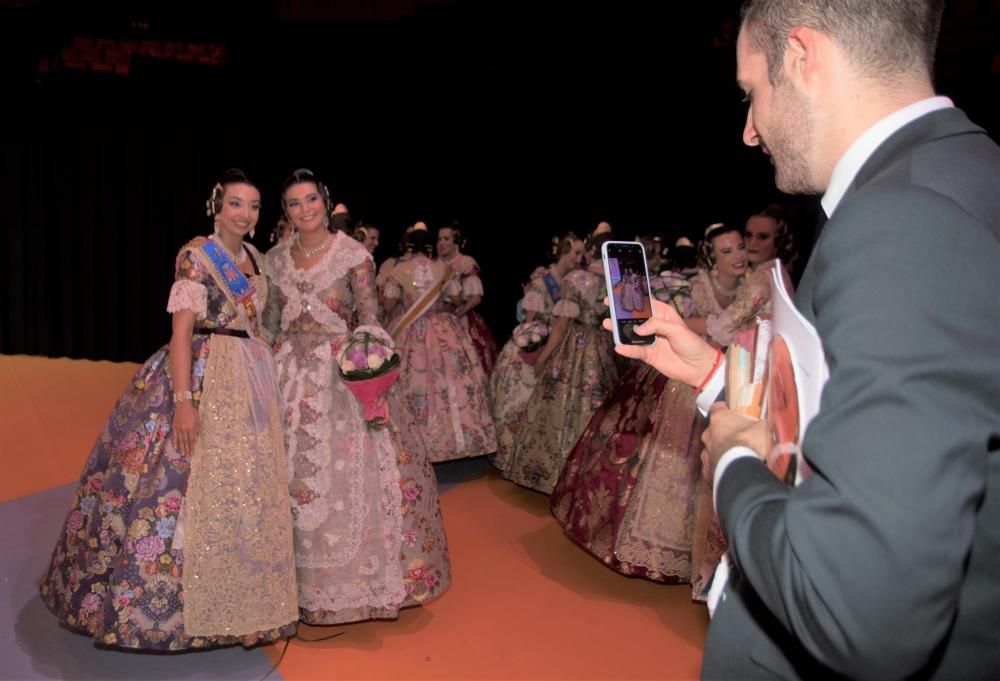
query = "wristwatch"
{"x": 182, "y": 395}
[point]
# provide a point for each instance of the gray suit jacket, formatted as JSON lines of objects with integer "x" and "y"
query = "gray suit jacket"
{"x": 885, "y": 564}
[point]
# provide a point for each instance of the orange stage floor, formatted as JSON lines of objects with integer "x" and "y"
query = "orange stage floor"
{"x": 525, "y": 602}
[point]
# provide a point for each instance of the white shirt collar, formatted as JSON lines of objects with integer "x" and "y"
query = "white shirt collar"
{"x": 863, "y": 147}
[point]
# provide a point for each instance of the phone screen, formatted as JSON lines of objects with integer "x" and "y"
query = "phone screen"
{"x": 628, "y": 290}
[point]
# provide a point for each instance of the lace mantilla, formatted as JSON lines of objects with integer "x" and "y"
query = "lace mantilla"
{"x": 301, "y": 288}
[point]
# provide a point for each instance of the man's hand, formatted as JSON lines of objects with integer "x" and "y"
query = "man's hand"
{"x": 728, "y": 429}
{"x": 679, "y": 352}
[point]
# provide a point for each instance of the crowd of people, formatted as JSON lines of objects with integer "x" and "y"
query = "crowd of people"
{"x": 245, "y": 482}
{"x": 244, "y": 436}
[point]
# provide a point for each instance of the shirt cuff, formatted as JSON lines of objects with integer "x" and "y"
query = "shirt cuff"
{"x": 727, "y": 458}
{"x": 709, "y": 395}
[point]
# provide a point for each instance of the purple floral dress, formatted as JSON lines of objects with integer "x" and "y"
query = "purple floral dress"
{"x": 166, "y": 552}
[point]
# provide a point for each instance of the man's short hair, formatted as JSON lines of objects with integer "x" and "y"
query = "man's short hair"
{"x": 882, "y": 38}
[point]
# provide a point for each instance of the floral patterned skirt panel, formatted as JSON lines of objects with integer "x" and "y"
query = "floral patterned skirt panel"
{"x": 119, "y": 566}
{"x": 444, "y": 389}
{"x": 482, "y": 339}
{"x": 511, "y": 384}
{"x": 656, "y": 532}
{"x": 631, "y": 492}
{"x": 575, "y": 381}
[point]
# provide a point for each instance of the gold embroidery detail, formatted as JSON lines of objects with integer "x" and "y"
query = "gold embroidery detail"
{"x": 239, "y": 573}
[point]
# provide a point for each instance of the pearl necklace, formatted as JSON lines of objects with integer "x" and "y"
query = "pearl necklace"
{"x": 718, "y": 287}
{"x": 309, "y": 252}
{"x": 238, "y": 259}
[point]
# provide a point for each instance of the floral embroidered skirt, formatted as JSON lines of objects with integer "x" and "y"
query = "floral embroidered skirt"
{"x": 369, "y": 538}
{"x": 444, "y": 389}
{"x": 576, "y": 379}
{"x": 511, "y": 385}
{"x": 164, "y": 552}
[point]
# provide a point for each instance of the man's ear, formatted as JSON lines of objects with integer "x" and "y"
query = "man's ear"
{"x": 802, "y": 54}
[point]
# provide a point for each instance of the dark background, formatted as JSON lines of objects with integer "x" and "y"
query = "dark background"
{"x": 519, "y": 119}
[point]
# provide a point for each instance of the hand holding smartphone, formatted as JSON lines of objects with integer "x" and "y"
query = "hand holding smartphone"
{"x": 627, "y": 277}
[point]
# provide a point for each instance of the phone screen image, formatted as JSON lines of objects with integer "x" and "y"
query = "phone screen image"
{"x": 628, "y": 290}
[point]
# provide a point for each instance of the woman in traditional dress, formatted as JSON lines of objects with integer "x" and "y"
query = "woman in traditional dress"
{"x": 576, "y": 372}
{"x": 513, "y": 379}
{"x": 389, "y": 314}
{"x": 441, "y": 378}
{"x": 626, "y": 291}
{"x": 728, "y": 294}
{"x": 179, "y": 535}
{"x": 729, "y": 302}
{"x": 449, "y": 245}
{"x": 631, "y": 492}
{"x": 368, "y": 534}
{"x": 367, "y": 235}
{"x": 626, "y": 493}
{"x": 768, "y": 240}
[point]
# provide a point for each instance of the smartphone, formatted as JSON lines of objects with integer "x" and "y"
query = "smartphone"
{"x": 627, "y": 279}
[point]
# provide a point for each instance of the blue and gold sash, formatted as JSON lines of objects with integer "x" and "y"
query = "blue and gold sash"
{"x": 552, "y": 286}
{"x": 235, "y": 281}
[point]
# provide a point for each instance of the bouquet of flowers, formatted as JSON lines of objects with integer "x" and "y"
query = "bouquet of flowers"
{"x": 530, "y": 338}
{"x": 369, "y": 365}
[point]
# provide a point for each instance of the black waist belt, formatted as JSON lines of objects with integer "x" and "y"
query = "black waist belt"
{"x": 222, "y": 332}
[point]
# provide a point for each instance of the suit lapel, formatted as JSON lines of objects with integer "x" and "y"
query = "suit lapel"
{"x": 935, "y": 125}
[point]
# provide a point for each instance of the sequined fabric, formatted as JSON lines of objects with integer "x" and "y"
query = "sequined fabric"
{"x": 238, "y": 531}
{"x": 118, "y": 569}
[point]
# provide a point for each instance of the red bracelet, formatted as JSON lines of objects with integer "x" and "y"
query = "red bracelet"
{"x": 711, "y": 372}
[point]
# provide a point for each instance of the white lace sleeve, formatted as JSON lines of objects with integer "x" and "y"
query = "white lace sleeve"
{"x": 188, "y": 295}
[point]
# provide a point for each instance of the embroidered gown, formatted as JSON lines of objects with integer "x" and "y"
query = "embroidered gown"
{"x": 368, "y": 533}
{"x": 576, "y": 378}
{"x": 513, "y": 380}
{"x": 627, "y": 492}
{"x": 166, "y": 552}
{"x": 441, "y": 379}
{"x": 467, "y": 271}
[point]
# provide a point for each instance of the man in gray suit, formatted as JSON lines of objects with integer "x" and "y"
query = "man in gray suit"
{"x": 885, "y": 563}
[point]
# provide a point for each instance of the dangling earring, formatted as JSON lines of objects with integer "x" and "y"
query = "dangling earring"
{"x": 326, "y": 222}
{"x": 251, "y": 232}
{"x": 215, "y": 224}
